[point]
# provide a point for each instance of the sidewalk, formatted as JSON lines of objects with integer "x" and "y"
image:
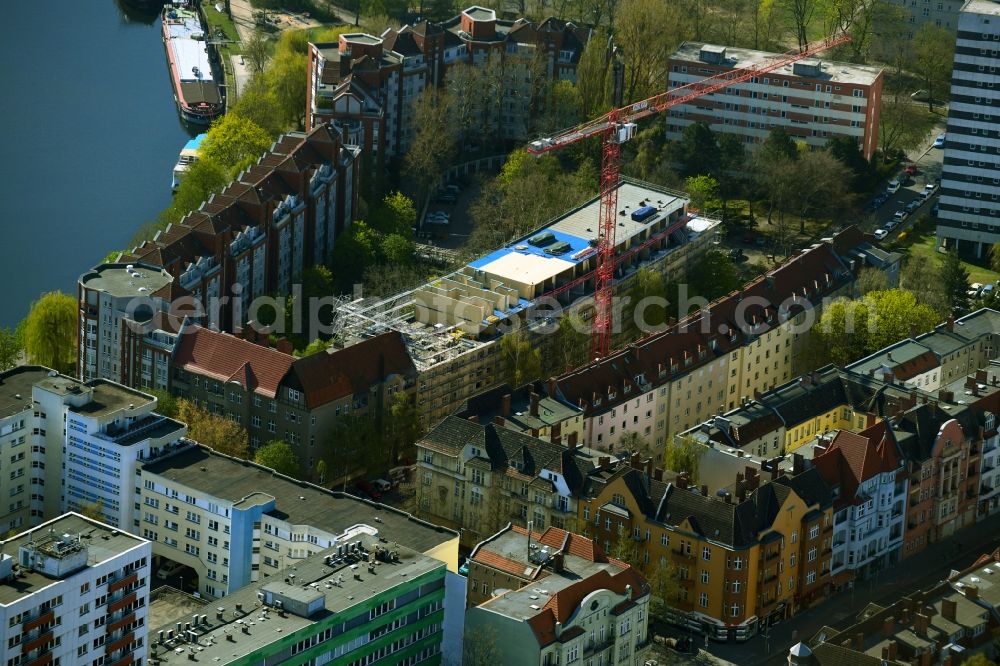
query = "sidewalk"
{"x": 920, "y": 571}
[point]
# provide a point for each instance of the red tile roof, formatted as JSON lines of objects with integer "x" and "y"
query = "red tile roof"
{"x": 497, "y": 561}
{"x": 228, "y": 358}
{"x": 853, "y": 458}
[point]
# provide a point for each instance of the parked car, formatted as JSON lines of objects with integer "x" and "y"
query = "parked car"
{"x": 881, "y": 233}
{"x": 168, "y": 569}
{"x": 939, "y": 141}
{"x": 900, "y": 216}
{"x": 760, "y": 241}
{"x": 987, "y": 290}
{"x": 913, "y": 205}
{"x": 920, "y": 96}
{"x": 893, "y": 186}
{"x": 382, "y": 485}
{"x": 446, "y": 199}
{"x": 910, "y": 169}
{"x": 975, "y": 289}
{"x": 368, "y": 489}
{"x": 929, "y": 189}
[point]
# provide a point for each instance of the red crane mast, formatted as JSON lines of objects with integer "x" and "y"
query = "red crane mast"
{"x": 618, "y": 126}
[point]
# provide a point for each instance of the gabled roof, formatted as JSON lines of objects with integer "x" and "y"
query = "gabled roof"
{"x": 354, "y": 370}
{"x": 853, "y": 458}
{"x": 227, "y": 358}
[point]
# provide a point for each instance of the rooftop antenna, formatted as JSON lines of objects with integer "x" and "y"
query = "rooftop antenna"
{"x": 530, "y": 523}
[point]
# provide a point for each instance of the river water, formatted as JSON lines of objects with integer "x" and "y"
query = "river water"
{"x": 92, "y": 135}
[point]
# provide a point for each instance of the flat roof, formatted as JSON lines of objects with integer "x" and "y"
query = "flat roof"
{"x": 168, "y": 605}
{"x": 118, "y": 281}
{"x": 987, "y": 579}
{"x": 239, "y": 633}
{"x": 106, "y": 397}
{"x": 525, "y": 267}
{"x": 986, "y": 7}
{"x": 362, "y": 38}
{"x": 891, "y": 356}
{"x": 297, "y": 502}
{"x": 15, "y": 388}
{"x": 739, "y": 58}
{"x": 103, "y": 543}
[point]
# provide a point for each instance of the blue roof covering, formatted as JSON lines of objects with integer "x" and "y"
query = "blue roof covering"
{"x": 194, "y": 143}
{"x": 576, "y": 243}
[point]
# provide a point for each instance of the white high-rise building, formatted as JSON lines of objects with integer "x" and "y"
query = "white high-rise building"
{"x": 74, "y": 592}
{"x": 969, "y": 211}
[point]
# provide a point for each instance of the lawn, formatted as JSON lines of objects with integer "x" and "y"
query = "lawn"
{"x": 216, "y": 21}
{"x": 921, "y": 240}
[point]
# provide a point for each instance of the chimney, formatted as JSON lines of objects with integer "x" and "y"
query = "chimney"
{"x": 951, "y": 323}
{"x": 798, "y": 463}
{"x": 571, "y": 440}
{"x": 888, "y": 626}
{"x": 682, "y": 481}
{"x": 704, "y": 491}
{"x": 859, "y": 641}
{"x": 971, "y": 592}
{"x": 552, "y": 387}
{"x": 658, "y": 473}
{"x": 981, "y": 376}
{"x": 893, "y": 648}
{"x": 557, "y": 562}
{"x": 499, "y": 420}
{"x": 285, "y": 346}
{"x": 920, "y": 624}
{"x": 604, "y": 462}
{"x": 649, "y": 468}
{"x": 534, "y": 404}
{"x": 948, "y": 609}
{"x": 505, "y": 405}
{"x": 250, "y": 334}
{"x": 636, "y": 461}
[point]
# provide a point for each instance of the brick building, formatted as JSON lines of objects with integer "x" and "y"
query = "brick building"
{"x": 813, "y": 100}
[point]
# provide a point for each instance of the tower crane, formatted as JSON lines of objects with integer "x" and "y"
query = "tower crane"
{"x": 618, "y": 126}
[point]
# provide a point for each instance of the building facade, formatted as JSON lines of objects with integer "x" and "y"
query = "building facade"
{"x": 74, "y": 591}
{"x": 970, "y": 177}
{"x": 367, "y": 85}
{"x": 812, "y": 100}
{"x": 555, "y": 597}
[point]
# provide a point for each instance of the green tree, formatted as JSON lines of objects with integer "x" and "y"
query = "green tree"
{"x": 902, "y": 125}
{"x": 846, "y": 150}
{"x": 713, "y": 275}
{"x": 633, "y": 442}
{"x": 166, "y": 403}
{"x": 978, "y": 660}
{"x": 645, "y": 311}
{"x": 396, "y": 214}
{"x": 683, "y": 455}
{"x": 592, "y": 75}
{"x": 995, "y": 257}
{"x": 280, "y": 457}
{"x": 402, "y": 427}
{"x": 203, "y": 179}
{"x": 639, "y": 25}
{"x": 258, "y": 104}
{"x": 820, "y": 183}
{"x": 93, "y": 510}
{"x": 921, "y": 275}
{"x": 322, "y": 470}
{"x": 522, "y": 360}
{"x": 481, "y": 646}
{"x": 287, "y": 76}
{"x": 897, "y": 313}
{"x": 778, "y": 145}
{"x": 704, "y": 191}
{"x": 397, "y": 249}
{"x": 625, "y": 548}
{"x": 356, "y": 249}
{"x": 663, "y": 587}
{"x": 10, "y": 349}
{"x": 934, "y": 53}
{"x": 955, "y": 280}
{"x": 570, "y": 343}
{"x": 50, "y": 332}
{"x": 215, "y": 432}
{"x": 697, "y": 151}
{"x": 234, "y": 143}
{"x": 255, "y": 52}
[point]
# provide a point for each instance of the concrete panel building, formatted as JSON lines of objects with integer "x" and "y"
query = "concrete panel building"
{"x": 813, "y": 100}
{"x": 74, "y": 591}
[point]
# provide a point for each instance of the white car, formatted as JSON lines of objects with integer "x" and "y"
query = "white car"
{"x": 893, "y": 186}
{"x": 975, "y": 289}
{"x": 168, "y": 569}
{"x": 439, "y": 213}
{"x": 939, "y": 141}
{"x": 929, "y": 189}
{"x": 881, "y": 233}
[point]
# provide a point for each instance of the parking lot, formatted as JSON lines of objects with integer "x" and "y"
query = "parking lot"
{"x": 456, "y": 232}
{"x": 924, "y": 170}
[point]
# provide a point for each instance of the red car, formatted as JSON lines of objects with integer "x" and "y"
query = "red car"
{"x": 910, "y": 170}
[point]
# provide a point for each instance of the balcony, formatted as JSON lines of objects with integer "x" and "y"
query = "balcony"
{"x": 596, "y": 647}
{"x": 118, "y": 624}
{"x": 124, "y": 582}
{"x": 121, "y": 603}
{"x": 124, "y": 661}
{"x": 771, "y": 555}
{"x": 36, "y": 642}
{"x": 681, "y": 553}
{"x": 41, "y": 660}
{"x": 42, "y": 619}
{"x": 119, "y": 644}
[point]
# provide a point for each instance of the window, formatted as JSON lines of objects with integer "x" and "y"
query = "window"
{"x": 706, "y": 553}
{"x": 704, "y": 576}
{"x": 814, "y": 531}
{"x": 812, "y": 554}
{"x": 703, "y": 600}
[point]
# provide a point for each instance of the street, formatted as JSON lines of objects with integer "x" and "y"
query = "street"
{"x": 920, "y": 571}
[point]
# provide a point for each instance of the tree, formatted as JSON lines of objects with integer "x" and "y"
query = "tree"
{"x": 570, "y": 344}
{"x": 898, "y": 314}
{"x": 648, "y": 31}
{"x": 522, "y": 360}
{"x": 871, "y": 279}
{"x": 280, "y": 457}
{"x": 697, "y": 151}
{"x": 558, "y": 105}
{"x": 481, "y": 646}
{"x": 663, "y": 587}
{"x": 921, "y": 274}
{"x": 166, "y": 403}
{"x": 592, "y": 75}
{"x": 258, "y": 104}
{"x": 625, "y": 548}
{"x": 216, "y": 432}
{"x": 396, "y": 214}
{"x": 288, "y": 78}
{"x": 356, "y": 249}
{"x": 847, "y": 151}
{"x": 902, "y": 125}
{"x": 633, "y": 442}
{"x": 800, "y": 14}
{"x": 50, "y": 332}
{"x": 955, "y": 280}
{"x": 435, "y": 143}
{"x": 714, "y": 275}
{"x": 995, "y": 257}
{"x": 645, "y": 310}
{"x": 978, "y": 660}
{"x": 346, "y": 447}
{"x": 820, "y": 182}
{"x": 402, "y": 427}
{"x": 234, "y": 143}
{"x": 10, "y": 349}
{"x": 93, "y": 510}
{"x": 934, "y": 51}
{"x": 202, "y": 179}
{"x": 778, "y": 145}
{"x": 683, "y": 455}
{"x": 255, "y": 52}
{"x": 704, "y": 191}
{"x": 322, "y": 470}
{"x": 397, "y": 250}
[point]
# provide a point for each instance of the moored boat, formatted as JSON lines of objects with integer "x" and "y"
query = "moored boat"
{"x": 188, "y": 156}
{"x": 199, "y": 97}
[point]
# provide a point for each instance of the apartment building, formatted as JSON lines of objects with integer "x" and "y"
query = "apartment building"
{"x": 866, "y": 475}
{"x": 741, "y": 345}
{"x": 74, "y": 591}
{"x": 275, "y": 395}
{"x": 73, "y": 446}
{"x": 355, "y": 603}
{"x": 278, "y": 217}
{"x": 942, "y": 625}
{"x": 970, "y": 177}
{"x": 476, "y": 478}
{"x": 367, "y": 85}
{"x": 554, "y": 597}
{"x": 812, "y": 100}
{"x": 528, "y": 410}
{"x": 231, "y": 522}
{"x": 744, "y": 559}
